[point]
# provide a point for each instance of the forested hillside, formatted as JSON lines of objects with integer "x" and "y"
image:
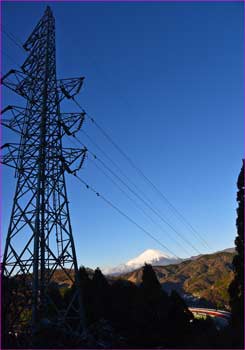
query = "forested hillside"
{"x": 206, "y": 277}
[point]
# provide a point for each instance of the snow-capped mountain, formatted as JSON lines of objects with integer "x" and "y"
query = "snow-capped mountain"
{"x": 149, "y": 256}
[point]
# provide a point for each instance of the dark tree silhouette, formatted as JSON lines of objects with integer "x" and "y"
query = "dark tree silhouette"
{"x": 149, "y": 280}
{"x": 87, "y": 293}
{"x": 100, "y": 295}
{"x": 178, "y": 321}
{"x": 84, "y": 278}
{"x": 155, "y": 305}
{"x": 236, "y": 288}
{"x": 99, "y": 281}
{"x": 121, "y": 314}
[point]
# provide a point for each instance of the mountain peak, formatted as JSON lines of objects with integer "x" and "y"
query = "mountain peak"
{"x": 149, "y": 256}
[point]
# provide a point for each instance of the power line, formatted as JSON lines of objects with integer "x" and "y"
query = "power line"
{"x": 107, "y": 136}
{"x": 136, "y": 204}
{"x": 14, "y": 36}
{"x": 142, "y": 199}
{"x": 116, "y": 165}
{"x": 10, "y": 58}
{"x": 98, "y": 194}
{"x": 13, "y": 39}
{"x": 155, "y": 211}
{"x": 140, "y": 172}
{"x": 120, "y": 150}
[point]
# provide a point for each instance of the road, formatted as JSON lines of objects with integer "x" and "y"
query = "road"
{"x": 210, "y": 312}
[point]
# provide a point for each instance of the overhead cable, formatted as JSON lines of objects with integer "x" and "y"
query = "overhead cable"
{"x": 136, "y": 204}
{"x": 98, "y": 194}
{"x": 140, "y": 172}
{"x": 13, "y": 39}
{"x": 155, "y": 211}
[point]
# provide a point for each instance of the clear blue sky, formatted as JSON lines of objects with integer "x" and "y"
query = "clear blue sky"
{"x": 166, "y": 81}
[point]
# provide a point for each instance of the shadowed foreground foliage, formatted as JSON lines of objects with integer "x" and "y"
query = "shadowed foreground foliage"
{"x": 236, "y": 288}
{"x": 121, "y": 314}
{"x": 143, "y": 316}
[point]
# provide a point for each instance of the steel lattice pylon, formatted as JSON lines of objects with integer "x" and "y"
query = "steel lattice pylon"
{"x": 39, "y": 240}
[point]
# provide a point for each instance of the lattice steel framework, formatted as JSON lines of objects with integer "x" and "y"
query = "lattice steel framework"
{"x": 39, "y": 240}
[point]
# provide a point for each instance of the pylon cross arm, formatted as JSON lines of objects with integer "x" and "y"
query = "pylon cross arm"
{"x": 72, "y": 155}
{"x": 22, "y": 83}
{"x": 19, "y": 82}
{"x": 16, "y": 118}
{"x": 68, "y": 88}
{"x": 11, "y": 157}
{"x": 71, "y": 123}
{"x": 69, "y": 157}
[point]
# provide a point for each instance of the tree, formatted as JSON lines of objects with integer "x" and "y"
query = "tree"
{"x": 99, "y": 281}
{"x": 236, "y": 289}
{"x": 100, "y": 295}
{"x": 179, "y": 318}
{"x": 155, "y": 305}
{"x": 86, "y": 293}
{"x": 150, "y": 283}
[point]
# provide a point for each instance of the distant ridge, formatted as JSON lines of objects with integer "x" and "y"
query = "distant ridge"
{"x": 204, "y": 279}
{"x": 228, "y": 250}
{"x": 153, "y": 257}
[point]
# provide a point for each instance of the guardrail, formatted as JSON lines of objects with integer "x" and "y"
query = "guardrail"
{"x": 211, "y": 312}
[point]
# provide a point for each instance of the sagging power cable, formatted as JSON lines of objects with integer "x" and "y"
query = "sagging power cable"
{"x": 13, "y": 39}
{"x": 98, "y": 194}
{"x": 120, "y": 150}
{"x": 156, "y": 212}
{"x": 140, "y": 172}
{"x": 11, "y": 59}
{"x": 136, "y": 204}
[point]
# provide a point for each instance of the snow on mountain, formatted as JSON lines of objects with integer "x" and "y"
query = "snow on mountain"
{"x": 149, "y": 256}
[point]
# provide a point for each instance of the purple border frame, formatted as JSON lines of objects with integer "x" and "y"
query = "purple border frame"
{"x": 120, "y": 1}
{"x": 101, "y": 1}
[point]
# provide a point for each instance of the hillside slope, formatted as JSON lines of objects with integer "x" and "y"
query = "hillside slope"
{"x": 206, "y": 277}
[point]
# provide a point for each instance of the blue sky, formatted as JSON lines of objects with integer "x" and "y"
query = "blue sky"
{"x": 166, "y": 81}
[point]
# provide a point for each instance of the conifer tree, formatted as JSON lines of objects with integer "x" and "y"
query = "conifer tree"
{"x": 99, "y": 281}
{"x": 100, "y": 295}
{"x": 150, "y": 282}
{"x": 236, "y": 288}
{"x": 86, "y": 293}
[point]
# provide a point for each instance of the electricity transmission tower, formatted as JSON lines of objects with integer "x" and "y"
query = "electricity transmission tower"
{"x": 39, "y": 241}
